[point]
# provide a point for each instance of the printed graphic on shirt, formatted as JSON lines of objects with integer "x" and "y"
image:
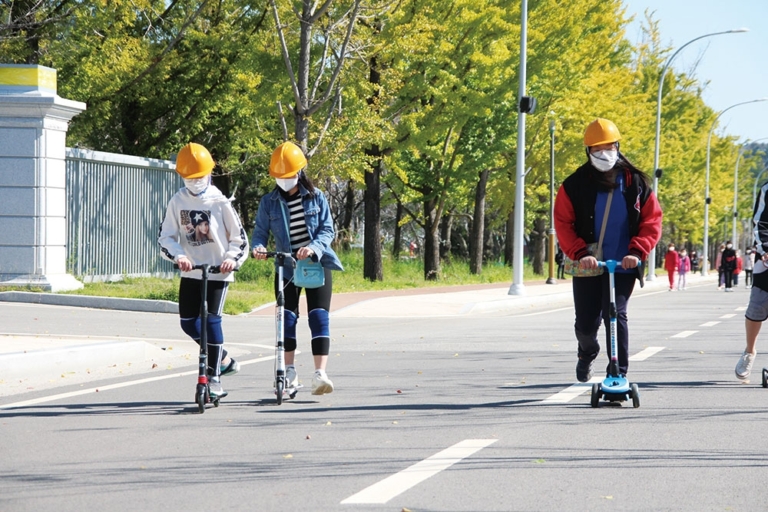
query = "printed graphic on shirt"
{"x": 198, "y": 226}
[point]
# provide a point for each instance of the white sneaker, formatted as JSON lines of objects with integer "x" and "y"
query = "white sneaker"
{"x": 744, "y": 366}
{"x": 291, "y": 377}
{"x": 215, "y": 389}
{"x": 321, "y": 384}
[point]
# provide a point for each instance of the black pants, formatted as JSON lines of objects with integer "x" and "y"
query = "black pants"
{"x": 591, "y": 297}
{"x": 728, "y": 276}
{"x": 560, "y": 271}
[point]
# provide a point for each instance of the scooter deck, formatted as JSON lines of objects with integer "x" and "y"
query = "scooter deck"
{"x": 291, "y": 391}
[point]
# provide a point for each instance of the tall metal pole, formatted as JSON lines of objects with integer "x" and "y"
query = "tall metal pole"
{"x": 652, "y": 256}
{"x": 551, "y": 279}
{"x": 736, "y": 195}
{"x": 707, "y": 199}
{"x": 517, "y": 287}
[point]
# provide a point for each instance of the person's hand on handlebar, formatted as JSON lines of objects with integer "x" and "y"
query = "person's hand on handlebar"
{"x": 304, "y": 252}
{"x": 259, "y": 253}
{"x": 588, "y": 263}
{"x": 184, "y": 264}
{"x": 227, "y": 266}
{"x": 630, "y": 261}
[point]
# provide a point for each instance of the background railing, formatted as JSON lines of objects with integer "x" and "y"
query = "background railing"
{"x": 115, "y": 205}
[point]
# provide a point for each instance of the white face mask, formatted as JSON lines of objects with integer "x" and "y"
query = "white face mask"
{"x": 288, "y": 183}
{"x": 197, "y": 185}
{"x": 728, "y": 246}
{"x": 604, "y": 160}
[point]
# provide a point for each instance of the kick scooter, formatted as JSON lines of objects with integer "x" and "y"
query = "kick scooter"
{"x": 203, "y": 391}
{"x": 615, "y": 387}
{"x": 283, "y": 259}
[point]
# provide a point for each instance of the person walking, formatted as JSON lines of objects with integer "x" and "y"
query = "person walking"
{"x": 295, "y": 202}
{"x": 728, "y": 265}
{"x": 749, "y": 265}
{"x": 739, "y": 268}
{"x": 605, "y": 210}
{"x": 694, "y": 261}
{"x": 682, "y": 270}
{"x": 719, "y": 267}
{"x": 201, "y": 227}
{"x": 560, "y": 260}
{"x": 671, "y": 263}
{"x": 757, "y": 309}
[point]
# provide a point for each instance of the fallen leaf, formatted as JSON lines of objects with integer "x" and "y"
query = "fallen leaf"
{"x": 154, "y": 365}
{"x": 288, "y": 456}
{"x": 399, "y": 391}
{"x": 607, "y": 497}
{"x": 308, "y": 437}
{"x": 539, "y": 461}
{"x": 456, "y": 354}
{"x": 329, "y": 423}
{"x": 394, "y": 423}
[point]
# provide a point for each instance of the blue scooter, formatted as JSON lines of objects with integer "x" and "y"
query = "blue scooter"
{"x": 615, "y": 387}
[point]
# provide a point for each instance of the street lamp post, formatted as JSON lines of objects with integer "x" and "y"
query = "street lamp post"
{"x": 551, "y": 279}
{"x": 707, "y": 199}
{"x": 517, "y": 287}
{"x": 656, "y": 173}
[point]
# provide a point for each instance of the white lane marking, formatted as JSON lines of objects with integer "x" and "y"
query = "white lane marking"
{"x": 61, "y": 396}
{"x": 709, "y": 324}
{"x": 383, "y": 491}
{"x": 544, "y": 312}
{"x": 741, "y": 308}
{"x": 646, "y": 353}
{"x": 729, "y": 315}
{"x": 683, "y": 334}
{"x": 571, "y": 392}
{"x": 268, "y": 347}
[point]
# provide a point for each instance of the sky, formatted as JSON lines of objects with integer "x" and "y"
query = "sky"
{"x": 732, "y": 67}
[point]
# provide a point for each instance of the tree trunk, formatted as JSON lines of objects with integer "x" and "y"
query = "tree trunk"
{"x": 431, "y": 243}
{"x": 446, "y": 224}
{"x": 372, "y": 266}
{"x": 346, "y": 233}
{"x": 397, "y": 241}
{"x": 538, "y": 245}
{"x": 478, "y": 225}
{"x": 509, "y": 241}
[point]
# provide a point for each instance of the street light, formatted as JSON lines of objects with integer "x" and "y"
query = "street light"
{"x": 707, "y": 199}
{"x": 551, "y": 279}
{"x": 517, "y": 287}
{"x": 652, "y": 256}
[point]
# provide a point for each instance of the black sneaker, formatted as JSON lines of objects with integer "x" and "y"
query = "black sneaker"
{"x": 583, "y": 370}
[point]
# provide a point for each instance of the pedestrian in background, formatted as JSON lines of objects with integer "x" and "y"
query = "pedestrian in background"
{"x": 222, "y": 242}
{"x": 739, "y": 267}
{"x": 560, "y": 260}
{"x": 295, "y": 202}
{"x": 728, "y": 265}
{"x": 609, "y": 196}
{"x": 749, "y": 264}
{"x": 694, "y": 261}
{"x": 719, "y": 267}
{"x": 684, "y": 265}
{"x": 671, "y": 263}
{"x": 757, "y": 309}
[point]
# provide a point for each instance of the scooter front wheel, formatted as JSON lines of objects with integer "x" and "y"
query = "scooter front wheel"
{"x": 635, "y": 392}
{"x": 765, "y": 378}
{"x": 596, "y": 394}
{"x": 200, "y": 399}
{"x": 279, "y": 388}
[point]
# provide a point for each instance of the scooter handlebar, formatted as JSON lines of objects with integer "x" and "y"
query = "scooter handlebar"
{"x": 283, "y": 258}
{"x": 212, "y": 269}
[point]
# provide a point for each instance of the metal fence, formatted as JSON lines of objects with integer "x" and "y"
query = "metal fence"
{"x": 115, "y": 205}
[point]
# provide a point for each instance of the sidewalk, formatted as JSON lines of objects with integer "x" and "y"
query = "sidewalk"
{"x": 60, "y": 360}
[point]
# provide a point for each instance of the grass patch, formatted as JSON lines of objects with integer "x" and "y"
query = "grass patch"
{"x": 253, "y": 283}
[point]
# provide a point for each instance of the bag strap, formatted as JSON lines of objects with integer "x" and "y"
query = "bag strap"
{"x": 599, "y": 256}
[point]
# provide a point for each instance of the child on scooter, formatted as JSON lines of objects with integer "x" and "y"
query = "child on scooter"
{"x": 200, "y": 227}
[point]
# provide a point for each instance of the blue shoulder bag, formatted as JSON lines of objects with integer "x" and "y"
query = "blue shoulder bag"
{"x": 308, "y": 273}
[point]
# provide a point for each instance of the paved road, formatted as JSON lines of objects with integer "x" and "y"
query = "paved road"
{"x": 471, "y": 411}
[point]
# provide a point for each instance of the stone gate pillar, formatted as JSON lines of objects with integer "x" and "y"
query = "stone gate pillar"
{"x": 33, "y": 199}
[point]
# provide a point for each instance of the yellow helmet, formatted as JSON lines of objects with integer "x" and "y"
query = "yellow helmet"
{"x": 287, "y": 160}
{"x": 601, "y": 131}
{"x": 194, "y": 161}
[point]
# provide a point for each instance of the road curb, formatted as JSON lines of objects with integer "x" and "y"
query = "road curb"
{"x": 89, "y": 301}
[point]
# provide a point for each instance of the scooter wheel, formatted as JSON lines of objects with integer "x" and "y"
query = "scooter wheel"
{"x": 279, "y": 388}
{"x": 635, "y": 392}
{"x": 200, "y": 399}
{"x": 292, "y": 394}
{"x": 595, "y": 394}
{"x": 215, "y": 403}
{"x": 765, "y": 378}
